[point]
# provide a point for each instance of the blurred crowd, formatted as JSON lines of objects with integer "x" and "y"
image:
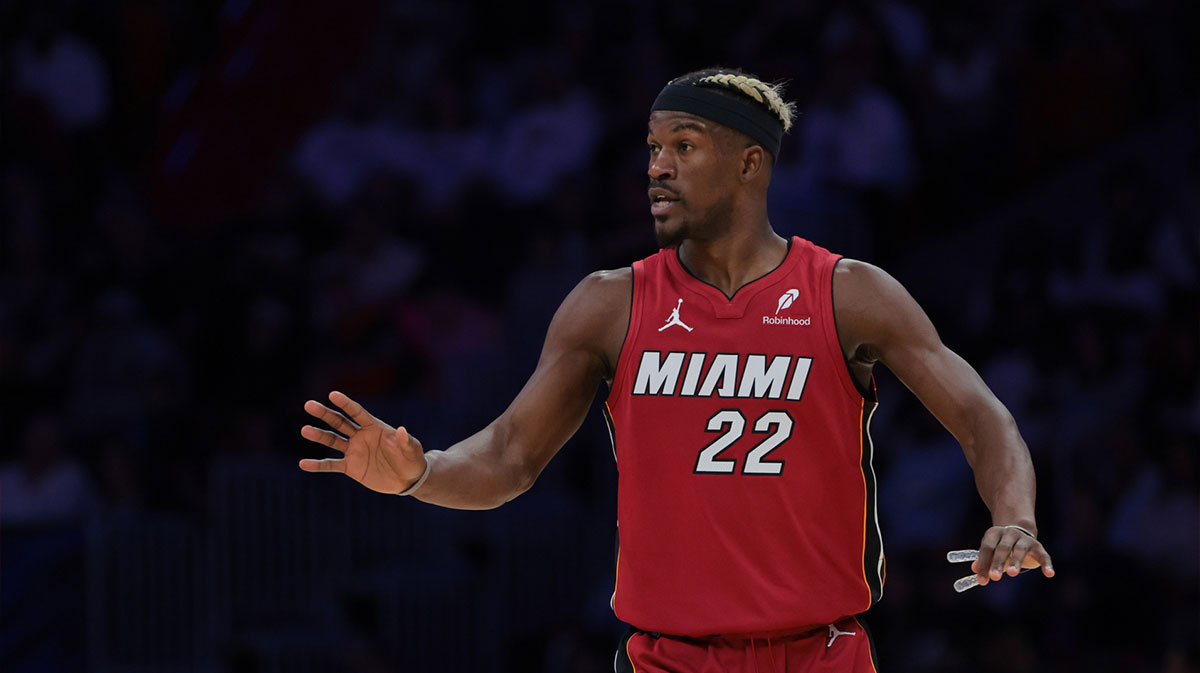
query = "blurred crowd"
{"x": 211, "y": 213}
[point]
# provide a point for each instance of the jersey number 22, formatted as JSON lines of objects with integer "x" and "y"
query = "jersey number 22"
{"x": 777, "y": 425}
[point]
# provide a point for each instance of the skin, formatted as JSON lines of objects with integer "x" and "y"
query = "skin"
{"x": 719, "y": 224}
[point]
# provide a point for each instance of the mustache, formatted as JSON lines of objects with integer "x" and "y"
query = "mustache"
{"x": 662, "y": 185}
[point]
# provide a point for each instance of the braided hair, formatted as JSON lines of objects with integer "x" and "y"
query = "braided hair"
{"x": 736, "y": 83}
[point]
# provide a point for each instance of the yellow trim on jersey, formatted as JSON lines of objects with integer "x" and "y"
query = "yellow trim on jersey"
{"x": 616, "y": 579}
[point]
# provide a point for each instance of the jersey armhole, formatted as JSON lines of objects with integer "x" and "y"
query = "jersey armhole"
{"x": 635, "y": 298}
{"x": 835, "y": 344}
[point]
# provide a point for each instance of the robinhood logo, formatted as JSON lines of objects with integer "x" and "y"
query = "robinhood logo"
{"x": 786, "y": 299}
{"x": 787, "y": 320}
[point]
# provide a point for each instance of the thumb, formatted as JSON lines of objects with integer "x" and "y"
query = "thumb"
{"x": 409, "y": 446}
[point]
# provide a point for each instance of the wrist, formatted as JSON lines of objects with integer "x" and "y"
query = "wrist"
{"x": 1026, "y": 526}
{"x": 420, "y": 480}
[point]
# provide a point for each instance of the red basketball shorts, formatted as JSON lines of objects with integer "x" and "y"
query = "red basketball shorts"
{"x": 843, "y": 647}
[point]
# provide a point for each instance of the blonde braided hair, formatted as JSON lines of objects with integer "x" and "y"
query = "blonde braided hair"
{"x": 767, "y": 94}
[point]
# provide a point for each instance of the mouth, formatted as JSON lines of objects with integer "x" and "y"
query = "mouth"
{"x": 662, "y": 201}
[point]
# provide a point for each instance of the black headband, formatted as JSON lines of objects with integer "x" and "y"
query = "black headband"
{"x": 739, "y": 114}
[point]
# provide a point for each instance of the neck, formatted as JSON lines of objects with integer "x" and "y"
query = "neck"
{"x": 736, "y": 258}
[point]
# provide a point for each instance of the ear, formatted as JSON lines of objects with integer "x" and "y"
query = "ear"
{"x": 753, "y": 160}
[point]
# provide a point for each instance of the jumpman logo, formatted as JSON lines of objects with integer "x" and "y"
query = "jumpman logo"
{"x": 674, "y": 319}
{"x": 834, "y": 633}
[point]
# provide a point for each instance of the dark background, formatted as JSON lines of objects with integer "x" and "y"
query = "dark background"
{"x": 210, "y": 213}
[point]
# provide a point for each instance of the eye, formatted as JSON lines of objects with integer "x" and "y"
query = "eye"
{"x": 685, "y": 146}
{"x": 652, "y": 147}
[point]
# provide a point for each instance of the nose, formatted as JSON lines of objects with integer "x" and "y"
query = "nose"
{"x": 662, "y": 166}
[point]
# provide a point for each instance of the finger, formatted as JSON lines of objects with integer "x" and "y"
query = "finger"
{"x": 1020, "y": 548}
{"x": 331, "y": 418}
{"x": 986, "y": 548}
{"x": 353, "y": 409}
{"x": 1003, "y": 551}
{"x": 1042, "y": 556}
{"x": 330, "y": 439}
{"x": 323, "y": 465}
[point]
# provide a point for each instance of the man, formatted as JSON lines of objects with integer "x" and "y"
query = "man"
{"x": 739, "y": 366}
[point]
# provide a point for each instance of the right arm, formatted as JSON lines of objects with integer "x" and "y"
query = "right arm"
{"x": 504, "y": 459}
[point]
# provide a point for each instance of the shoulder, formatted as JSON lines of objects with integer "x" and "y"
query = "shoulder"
{"x": 595, "y": 315}
{"x": 872, "y": 307}
{"x": 858, "y": 282}
{"x": 610, "y": 278}
{"x": 609, "y": 289}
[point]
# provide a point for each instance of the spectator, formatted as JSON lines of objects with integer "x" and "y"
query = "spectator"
{"x": 63, "y": 71}
{"x": 46, "y": 486}
{"x": 854, "y": 135}
{"x": 1156, "y": 518}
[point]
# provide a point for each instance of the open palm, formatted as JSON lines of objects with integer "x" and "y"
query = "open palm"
{"x": 380, "y": 457}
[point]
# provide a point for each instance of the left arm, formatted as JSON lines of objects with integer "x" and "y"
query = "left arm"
{"x": 878, "y": 321}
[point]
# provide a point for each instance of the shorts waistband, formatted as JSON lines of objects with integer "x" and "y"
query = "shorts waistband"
{"x": 803, "y": 632}
{"x": 796, "y": 632}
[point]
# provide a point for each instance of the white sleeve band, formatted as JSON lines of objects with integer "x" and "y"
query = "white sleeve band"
{"x": 413, "y": 489}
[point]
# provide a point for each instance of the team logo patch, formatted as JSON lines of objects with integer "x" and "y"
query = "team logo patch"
{"x": 674, "y": 319}
{"x": 834, "y": 633}
{"x": 786, "y": 299}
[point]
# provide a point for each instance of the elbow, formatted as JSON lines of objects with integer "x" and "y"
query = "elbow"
{"x": 524, "y": 476}
{"x": 504, "y": 495}
{"x": 518, "y": 462}
{"x": 517, "y": 476}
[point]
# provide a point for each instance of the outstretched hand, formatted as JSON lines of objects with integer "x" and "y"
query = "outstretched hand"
{"x": 1009, "y": 550}
{"x": 378, "y": 456}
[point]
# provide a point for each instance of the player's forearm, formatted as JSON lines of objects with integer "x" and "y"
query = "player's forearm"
{"x": 475, "y": 473}
{"x": 1003, "y": 469}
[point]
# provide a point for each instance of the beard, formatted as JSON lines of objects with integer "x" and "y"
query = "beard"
{"x": 670, "y": 235}
{"x": 670, "y": 232}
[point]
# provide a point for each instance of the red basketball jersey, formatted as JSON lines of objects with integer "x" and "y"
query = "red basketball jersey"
{"x": 746, "y": 494}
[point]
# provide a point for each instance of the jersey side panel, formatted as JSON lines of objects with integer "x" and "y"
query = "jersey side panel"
{"x": 872, "y": 541}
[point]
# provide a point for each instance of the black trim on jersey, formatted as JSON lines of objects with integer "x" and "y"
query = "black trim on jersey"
{"x": 747, "y": 284}
{"x": 612, "y": 429}
{"x": 621, "y": 663}
{"x": 873, "y": 542}
{"x": 616, "y": 556}
{"x": 861, "y": 617}
{"x": 867, "y": 394}
{"x": 628, "y": 326}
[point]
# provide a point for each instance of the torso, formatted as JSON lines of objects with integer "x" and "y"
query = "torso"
{"x": 746, "y": 494}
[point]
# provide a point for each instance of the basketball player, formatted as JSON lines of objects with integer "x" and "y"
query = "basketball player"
{"x": 740, "y": 395}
